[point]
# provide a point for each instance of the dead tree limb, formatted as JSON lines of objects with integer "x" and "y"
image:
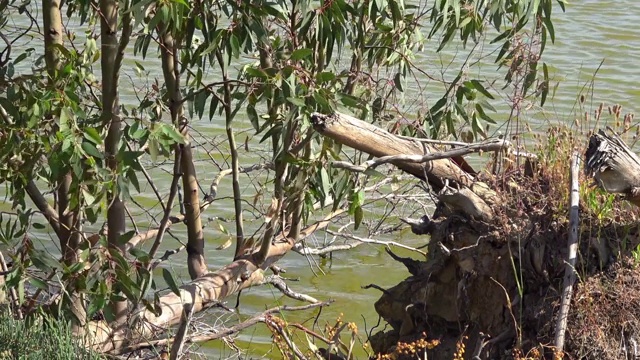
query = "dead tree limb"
{"x": 229, "y": 331}
{"x": 179, "y": 339}
{"x": 378, "y": 142}
{"x": 199, "y": 293}
{"x": 569, "y": 271}
{"x": 458, "y": 189}
{"x": 613, "y": 165}
{"x": 278, "y": 282}
{"x": 489, "y": 145}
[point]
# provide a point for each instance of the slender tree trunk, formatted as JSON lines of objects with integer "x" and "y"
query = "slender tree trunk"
{"x": 195, "y": 244}
{"x": 52, "y": 19}
{"x": 233, "y": 150}
{"x": 116, "y": 222}
{"x": 69, "y": 230}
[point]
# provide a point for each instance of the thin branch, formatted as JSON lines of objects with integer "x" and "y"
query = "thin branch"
{"x": 12, "y": 290}
{"x": 178, "y": 344}
{"x": 213, "y": 189}
{"x": 280, "y": 330}
{"x": 279, "y": 283}
{"x": 164, "y": 223}
{"x": 378, "y": 242}
{"x": 261, "y": 318}
{"x": 41, "y": 203}
{"x": 572, "y": 243}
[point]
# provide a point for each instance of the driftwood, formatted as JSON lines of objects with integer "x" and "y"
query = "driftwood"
{"x": 613, "y": 165}
{"x": 457, "y": 188}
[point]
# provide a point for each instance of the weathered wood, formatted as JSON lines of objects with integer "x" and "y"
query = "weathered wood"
{"x": 199, "y": 294}
{"x": 450, "y": 181}
{"x": 378, "y": 142}
{"x": 613, "y": 165}
{"x": 570, "y": 270}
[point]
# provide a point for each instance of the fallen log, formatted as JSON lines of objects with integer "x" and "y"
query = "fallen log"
{"x": 613, "y": 165}
{"x": 458, "y": 189}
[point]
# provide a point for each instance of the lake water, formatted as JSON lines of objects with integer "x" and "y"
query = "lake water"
{"x": 591, "y": 32}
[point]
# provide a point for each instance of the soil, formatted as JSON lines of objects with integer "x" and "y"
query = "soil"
{"x": 492, "y": 290}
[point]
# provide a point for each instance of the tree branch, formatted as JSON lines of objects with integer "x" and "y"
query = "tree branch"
{"x": 279, "y": 283}
{"x": 261, "y": 318}
{"x": 41, "y": 203}
{"x": 490, "y": 145}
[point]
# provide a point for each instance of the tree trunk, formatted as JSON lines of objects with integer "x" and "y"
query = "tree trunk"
{"x": 52, "y": 19}
{"x": 195, "y": 243}
{"x": 68, "y": 220}
{"x": 116, "y": 221}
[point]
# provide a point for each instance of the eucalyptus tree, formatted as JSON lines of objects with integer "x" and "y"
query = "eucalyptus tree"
{"x": 73, "y": 154}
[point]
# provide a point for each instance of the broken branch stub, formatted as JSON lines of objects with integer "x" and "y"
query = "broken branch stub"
{"x": 458, "y": 189}
{"x": 613, "y": 165}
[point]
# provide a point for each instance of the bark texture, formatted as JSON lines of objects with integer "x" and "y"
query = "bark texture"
{"x": 492, "y": 283}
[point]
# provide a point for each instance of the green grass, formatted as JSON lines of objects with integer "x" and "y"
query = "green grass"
{"x": 39, "y": 338}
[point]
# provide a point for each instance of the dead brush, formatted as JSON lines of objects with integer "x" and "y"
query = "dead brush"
{"x": 605, "y": 313}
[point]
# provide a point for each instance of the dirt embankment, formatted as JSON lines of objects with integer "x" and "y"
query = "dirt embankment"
{"x": 491, "y": 290}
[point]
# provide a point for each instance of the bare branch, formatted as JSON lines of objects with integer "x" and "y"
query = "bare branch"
{"x": 279, "y": 283}
{"x": 490, "y": 145}
{"x": 261, "y": 318}
{"x": 178, "y": 343}
{"x": 572, "y": 243}
{"x": 378, "y": 242}
{"x": 12, "y": 290}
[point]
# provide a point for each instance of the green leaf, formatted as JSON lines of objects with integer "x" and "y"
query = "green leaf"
{"x": 235, "y": 46}
{"x": 89, "y": 199}
{"x": 168, "y": 278}
{"x": 91, "y": 150}
{"x": 478, "y": 86}
{"x": 172, "y": 133}
{"x": 357, "y": 200}
{"x": 357, "y": 217}
{"x": 397, "y": 81}
{"x": 126, "y": 237}
{"x": 325, "y": 183}
{"x": 98, "y": 303}
{"x": 139, "y": 254}
{"x": 483, "y": 115}
{"x": 38, "y": 226}
{"x": 325, "y": 76}
{"x": 299, "y": 102}
{"x": 39, "y": 284}
{"x": 253, "y": 116}
{"x": 300, "y": 54}
{"x": 93, "y": 135}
